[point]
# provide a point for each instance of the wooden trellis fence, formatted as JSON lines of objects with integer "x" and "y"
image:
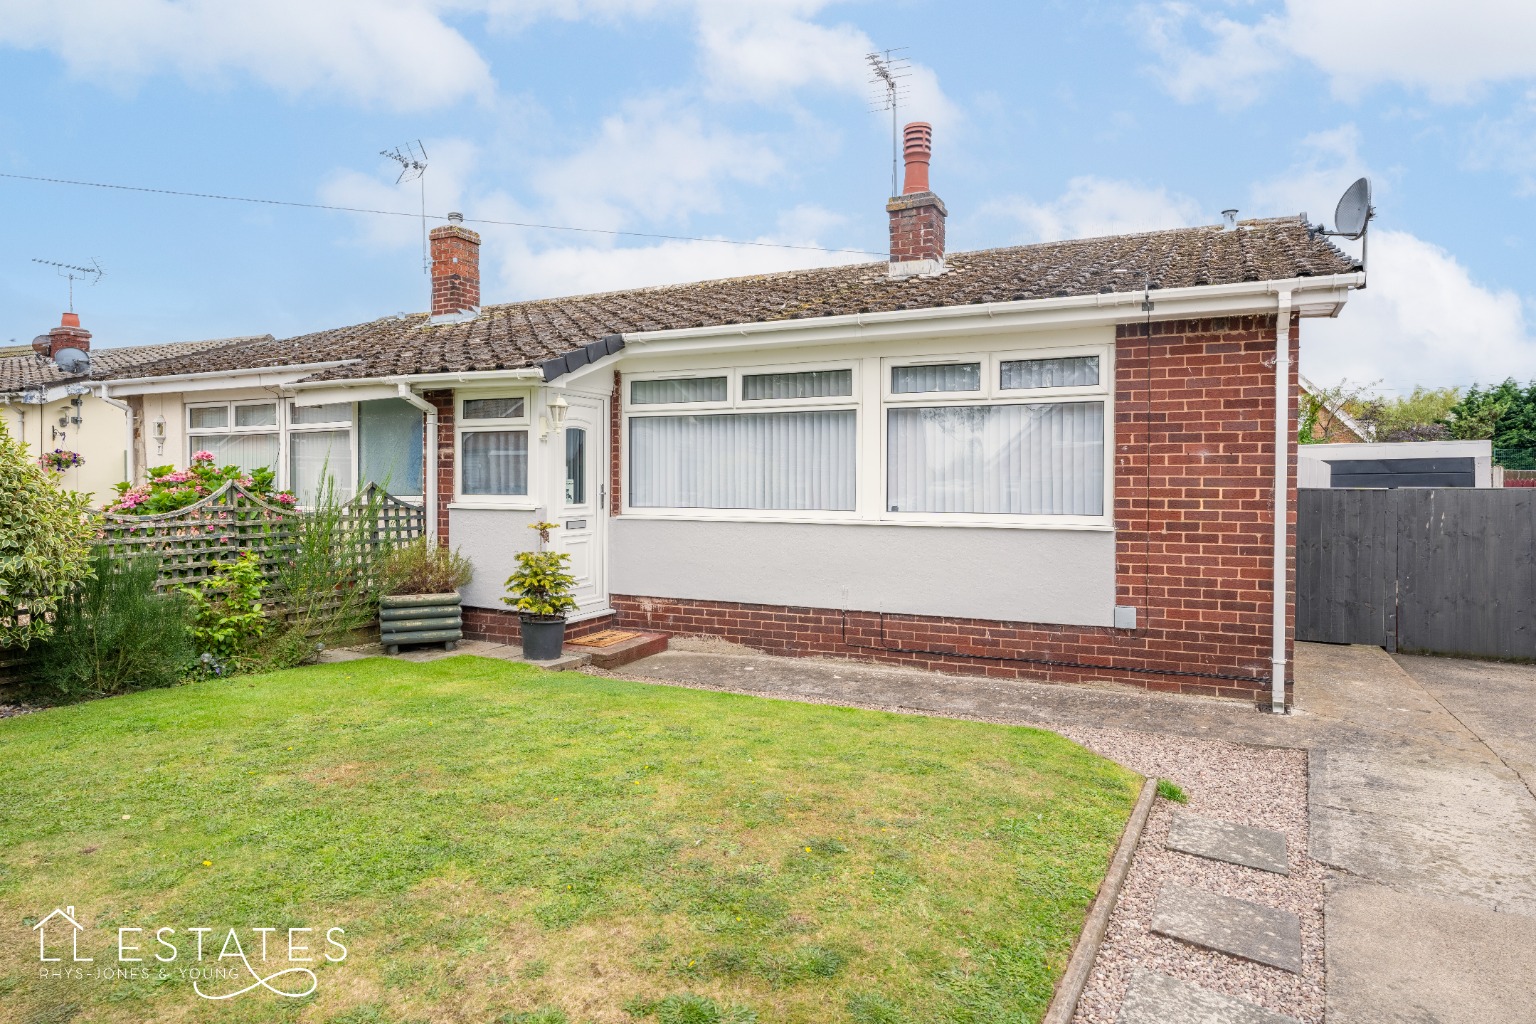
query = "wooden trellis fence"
{"x": 191, "y": 542}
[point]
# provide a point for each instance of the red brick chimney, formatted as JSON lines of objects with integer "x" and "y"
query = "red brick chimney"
{"x": 69, "y": 334}
{"x": 455, "y": 268}
{"x": 917, "y": 215}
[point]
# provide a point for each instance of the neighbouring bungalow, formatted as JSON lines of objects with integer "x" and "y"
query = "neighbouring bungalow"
{"x": 56, "y": 401}
{"x": 1072, "y": 461}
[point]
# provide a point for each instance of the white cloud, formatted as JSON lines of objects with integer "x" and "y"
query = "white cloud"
{"x": 1329, "y": 161}
{"x": 654, "y": 161}
{"x": 1421, "y": 320}
{"x": 1508, "y": 143}
{"x": 398, "y": 53}
{"x": 1091, "y": 207}
{"x": 1447, "y": 50}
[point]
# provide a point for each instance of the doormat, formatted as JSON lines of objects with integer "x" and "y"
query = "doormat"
{"x": 605, "y": 638}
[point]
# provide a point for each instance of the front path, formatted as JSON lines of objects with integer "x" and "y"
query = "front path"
{"x": 1417, "y": 801}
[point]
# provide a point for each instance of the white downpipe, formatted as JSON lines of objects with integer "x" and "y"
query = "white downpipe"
{"x": 429, "y": 499}
{"x": 128, "y": 467}
{"x": 1282, "y": 488}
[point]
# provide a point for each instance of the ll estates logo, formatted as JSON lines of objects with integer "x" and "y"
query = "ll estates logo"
{"x": 268, "y": 960}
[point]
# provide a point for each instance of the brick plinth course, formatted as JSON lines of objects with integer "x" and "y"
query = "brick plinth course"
{"x": 502, "y": 626}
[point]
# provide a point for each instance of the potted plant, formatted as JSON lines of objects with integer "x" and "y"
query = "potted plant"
{"x": 419, "y": 599}
{"x": 540, "y": 590}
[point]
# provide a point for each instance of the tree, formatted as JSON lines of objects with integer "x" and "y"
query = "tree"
{"x": 1506, "y": 415}
{"x": 45, "y": 542}
{"x": 1419, "y": 416}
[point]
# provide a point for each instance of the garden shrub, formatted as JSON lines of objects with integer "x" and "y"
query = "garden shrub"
{"x": 420, "y": 568}
{"x": 115, "y": 633}
{"x": 169, "y": 488}
{"x": 44, "y": 544}
{"x": 328, "y": 582}
{"x": 227, "y": 613}
{"x": 540, "y": 585}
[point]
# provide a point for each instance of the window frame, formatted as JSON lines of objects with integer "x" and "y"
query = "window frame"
{"x": 290, "y": 428}
{"x": 513, "y": 502}
{"x": 734, "y": 404}
{"x": 276, "y": 427}
{"x": 992, "y": 393}
{"x": 872, "y": 397}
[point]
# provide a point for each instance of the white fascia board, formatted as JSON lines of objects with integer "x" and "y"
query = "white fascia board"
{"x": 448, "y": 380}
{"x": 1316, "y": 296}
{"x": 219, "y": 380}
{"x": 328, "y": 392}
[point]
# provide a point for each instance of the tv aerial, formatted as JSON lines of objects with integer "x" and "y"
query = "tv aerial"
{"x": 412, "y": 158}
{"x": 1352, "y": 217}
{"x": 92, "y": 273}
{"x": 888, "y": 70}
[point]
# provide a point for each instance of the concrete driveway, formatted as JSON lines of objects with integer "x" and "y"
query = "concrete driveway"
{"x": 1420, "y": 800}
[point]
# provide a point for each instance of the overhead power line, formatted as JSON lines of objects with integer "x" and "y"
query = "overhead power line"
{"x": 404, "y": 213}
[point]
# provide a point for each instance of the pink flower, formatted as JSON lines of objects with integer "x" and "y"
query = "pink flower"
{"x": 202, "y": 456}
{"x": 287, "y": 499}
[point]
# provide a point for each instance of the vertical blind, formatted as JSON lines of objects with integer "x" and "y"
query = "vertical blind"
{"x": 314, "y": 455}
{"x": 248, "y": 451}
{"x": 677, "y": 389}
{"x": 803, "y": 384}
{"x": 1007, "y": 459}
{"x": 495, "y": 461}
{"x": 1065, "y": 372}
{"x": 788, "y": 460}
{"x": 909, "y": 380}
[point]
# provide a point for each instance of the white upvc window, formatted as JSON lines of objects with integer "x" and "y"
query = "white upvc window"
{"x": 776, "y": 441}
{"x": 1015, "y": 436}
{"x": 320, "y": 444}
{"x": 493, "y": 448}
{"x": 244, "y": 434}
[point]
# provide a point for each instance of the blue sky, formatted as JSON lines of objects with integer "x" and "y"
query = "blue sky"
{"x": 750, "y": 121}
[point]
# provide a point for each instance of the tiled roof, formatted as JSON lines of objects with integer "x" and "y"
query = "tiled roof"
{"x": 20, "y": 368}
{"x": 522, "y": 334}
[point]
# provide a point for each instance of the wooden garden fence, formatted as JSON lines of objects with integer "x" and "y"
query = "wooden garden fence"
{"x": 192, "y": 542}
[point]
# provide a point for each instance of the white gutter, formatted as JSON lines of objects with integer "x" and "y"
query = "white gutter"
{"x": 429, "y": 499}
{"x": 128, "y": 466}
{"x": 1282, "y": 487}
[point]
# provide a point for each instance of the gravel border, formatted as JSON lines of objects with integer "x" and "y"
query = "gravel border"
{"x": 1264, "y": 786}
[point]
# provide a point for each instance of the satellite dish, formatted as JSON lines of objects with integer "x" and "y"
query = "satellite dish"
{"x": 1354, "y": 210}
{"x": 72, "y": 360}
{"x": 40, "y": 344}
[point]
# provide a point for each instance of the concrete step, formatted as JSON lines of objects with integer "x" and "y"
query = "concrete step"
{"x": 1261, "y": 848}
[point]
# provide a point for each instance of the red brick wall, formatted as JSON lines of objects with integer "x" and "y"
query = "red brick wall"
{"x": 503, "y": 626}
{"x": 1194, "y": 456}
{"x": 443, "y": 400}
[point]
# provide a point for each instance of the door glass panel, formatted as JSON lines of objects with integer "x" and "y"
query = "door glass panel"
{"x": 575, "y": 466}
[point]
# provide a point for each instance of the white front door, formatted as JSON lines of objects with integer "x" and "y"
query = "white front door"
{"x": 583, "y": 519}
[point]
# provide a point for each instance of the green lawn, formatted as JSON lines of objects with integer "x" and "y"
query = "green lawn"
{"x": 502, "y": 844}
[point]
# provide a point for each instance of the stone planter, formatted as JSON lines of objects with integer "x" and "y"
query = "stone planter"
{"x": 543, "y": 636}
{"x": 420, "y": 619}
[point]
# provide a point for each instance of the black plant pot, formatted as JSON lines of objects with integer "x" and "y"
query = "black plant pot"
{"x": 543, "y": 637}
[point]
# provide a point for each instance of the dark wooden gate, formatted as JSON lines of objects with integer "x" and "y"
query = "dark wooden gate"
{"x": 1446, "y": 570}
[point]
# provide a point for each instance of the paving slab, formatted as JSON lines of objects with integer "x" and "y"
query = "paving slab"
{"x": 1238, "y": 928}
{"x": 1406, "y": 958}
{"x": 1155, "y": 998}
{"x": 1248, "y": 845}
